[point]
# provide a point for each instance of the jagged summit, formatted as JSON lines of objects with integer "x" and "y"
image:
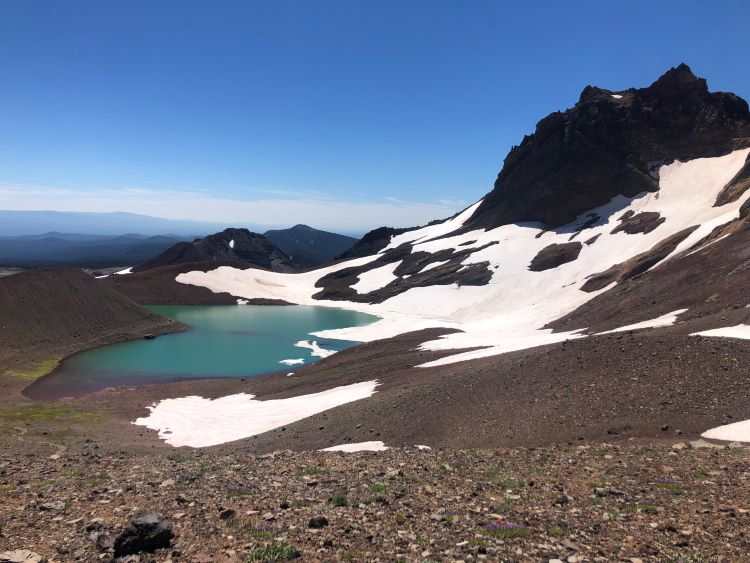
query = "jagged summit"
{"x": 611, "y": 143}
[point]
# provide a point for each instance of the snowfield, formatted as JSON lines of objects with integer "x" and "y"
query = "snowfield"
{"x": 507, "y": 314}
{"x": 739, "y": 331}
{"x": 198, "y": 422}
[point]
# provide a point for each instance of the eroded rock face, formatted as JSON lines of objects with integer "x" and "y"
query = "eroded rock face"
{"x": 555, "y": 255}
{"x": 604, "y": 146}
{"x": 372, "y": 243}
{"x": 638, "y": 264}
{"x": 736, "y": 187}
{"x": 147, "y": 531}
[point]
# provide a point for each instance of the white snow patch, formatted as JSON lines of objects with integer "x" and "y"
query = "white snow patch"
{"x": 735, "y": 432}
{"x": 421, "y": 447}
{"x": 315, "y": 349}
{"x": 665, "y": 320}
{"x": 198, "y": 422}
{"x": 242, "y": 302}
{"x": 231, "y": 243}
{"x": 290, "y": 374}
{"x": 125, "y": 271}
{"x": 292, "y": 362}
{"x": 617, "y": 96}
{"x": 374, "y": 446}
{"x": 738, "y": 331}
{"x": 376, "y": 278}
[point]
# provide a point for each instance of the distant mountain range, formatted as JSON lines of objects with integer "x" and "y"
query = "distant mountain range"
{"x": 19, "y": 223}
{"x": 310, "y": 247}
{"x": 74, "y": 249}
{"x": 289, "y": 249}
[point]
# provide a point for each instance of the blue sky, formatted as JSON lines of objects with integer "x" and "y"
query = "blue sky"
{"x": 341, "y": 114}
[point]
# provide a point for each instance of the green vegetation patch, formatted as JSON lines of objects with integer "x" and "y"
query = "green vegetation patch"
{"x": 506, "y": 530}
{"x": 36, "y": 370}
{"x": 47, "y": 412}
{"x": 311, "y": 470}
{"x": 272, "y": 552}
{"x": 339, "y": 500}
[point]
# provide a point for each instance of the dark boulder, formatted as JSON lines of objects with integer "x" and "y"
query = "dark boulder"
{"x": 147, "y": 531}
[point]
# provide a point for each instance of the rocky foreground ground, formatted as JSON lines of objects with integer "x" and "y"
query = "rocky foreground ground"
{"x": 595, "y": 502}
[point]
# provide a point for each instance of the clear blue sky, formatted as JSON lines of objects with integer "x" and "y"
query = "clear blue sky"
{"x": 357, "y": 113}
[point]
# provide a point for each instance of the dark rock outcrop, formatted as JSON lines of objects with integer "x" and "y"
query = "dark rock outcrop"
{"x": 638, "y": 264}
{"x": 736, "y": 186}
{"x": 604, "y": 146}
{"x": 372, "y": 243}
{"x": 229, "y": 245}
{"x": 411, "y": 273}
{"x": 146, "y": 532}
{"x": 745, "y": 210}
{"x": 633, "y": 223}
{"x": 555, "y": 255}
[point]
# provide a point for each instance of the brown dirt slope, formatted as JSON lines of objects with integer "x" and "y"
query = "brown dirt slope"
{"x": 46, "y": 315}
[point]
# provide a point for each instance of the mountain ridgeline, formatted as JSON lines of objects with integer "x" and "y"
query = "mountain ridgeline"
{"x": 238, "y": 245}
{"x": 308, "y": 247}
{"x": 283, "y": 250}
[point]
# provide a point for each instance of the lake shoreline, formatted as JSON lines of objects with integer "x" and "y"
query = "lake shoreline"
{"x": 216, "y": 342}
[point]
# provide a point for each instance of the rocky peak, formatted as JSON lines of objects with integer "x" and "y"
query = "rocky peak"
{"x": 607, "y": 145}
{"x": 228, "y": 245}
{"x": 679, "y": 78}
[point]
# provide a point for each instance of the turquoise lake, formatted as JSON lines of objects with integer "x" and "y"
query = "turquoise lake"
{"x": 221, "y": 341}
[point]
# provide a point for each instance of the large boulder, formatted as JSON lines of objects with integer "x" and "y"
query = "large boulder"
{"x": 147, "y": 531}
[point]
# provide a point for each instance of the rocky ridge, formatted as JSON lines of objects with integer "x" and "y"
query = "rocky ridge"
{"x": 238, "y": 245}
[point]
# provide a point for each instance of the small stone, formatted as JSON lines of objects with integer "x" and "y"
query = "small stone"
{"x": 54, "y": 505}
{"x": 317, "y": 522}
{"x": 95, "y": 524}
{"x": 104, "y": 541}
{"x": 167, "y": 483}
{"x": 269, "y": 517}
{"x": 665, "y": 427}
{"x": 284, "y": 505}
